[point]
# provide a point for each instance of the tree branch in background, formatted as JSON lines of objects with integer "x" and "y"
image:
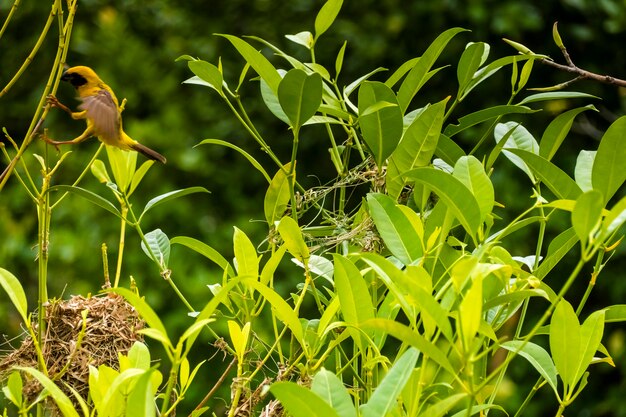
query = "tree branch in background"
{"x": 580, "y": 73}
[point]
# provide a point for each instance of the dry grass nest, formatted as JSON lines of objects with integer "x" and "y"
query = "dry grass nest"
{"x": 110, "y": 328}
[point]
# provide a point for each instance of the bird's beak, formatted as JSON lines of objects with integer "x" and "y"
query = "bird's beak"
{"x": 65, "y": 76}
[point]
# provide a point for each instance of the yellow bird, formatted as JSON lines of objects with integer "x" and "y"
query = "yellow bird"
{"x": 102, "y": 111}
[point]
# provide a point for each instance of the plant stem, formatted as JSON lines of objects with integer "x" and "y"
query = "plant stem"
{"x": 120, "y": 248}
{"x": 171, "y": 381}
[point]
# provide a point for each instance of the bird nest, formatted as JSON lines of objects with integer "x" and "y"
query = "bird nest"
{"x": 72, "y": 343}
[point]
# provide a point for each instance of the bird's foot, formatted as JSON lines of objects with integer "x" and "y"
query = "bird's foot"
{"x": 52, "y": 101}
{"x": 44, "y": 136}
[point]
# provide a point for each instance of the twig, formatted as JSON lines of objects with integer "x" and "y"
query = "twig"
{"x": 216, "y": 386}
{"x": 572, "y": 68}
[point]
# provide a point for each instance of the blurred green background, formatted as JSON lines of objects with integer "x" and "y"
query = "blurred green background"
{"x": 133, "y": 45}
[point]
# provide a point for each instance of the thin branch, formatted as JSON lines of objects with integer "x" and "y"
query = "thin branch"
{"x": 581, "y": 73}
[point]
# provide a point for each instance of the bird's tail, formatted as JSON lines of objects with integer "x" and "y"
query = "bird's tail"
{"x": 147, "y": 152}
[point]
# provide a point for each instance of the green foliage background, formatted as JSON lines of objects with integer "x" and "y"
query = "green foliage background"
{"x": 133, "y": 45}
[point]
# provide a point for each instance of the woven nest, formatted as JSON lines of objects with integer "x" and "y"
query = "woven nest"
{"x": 110, "y": 328}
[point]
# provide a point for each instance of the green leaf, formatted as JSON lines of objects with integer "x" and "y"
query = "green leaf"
{"x": 470, "y": 312}
{"x": 525, "y": 74}
{"x": 557, "y": 130}
{"x": 520, "y": 138}
{"x": 587, "y": 214}
{"x": 442, "y": 407}
{"x": 326, "y": 16}
{"x": 15, "y": 291}
{"x": 400, "y": 72}
{"x": 383, "y": 400}
{"x": 417, "y": 146}
{"x": 331, "y": 389}
{"x": 300, "y": 95}
{"x": 304, "y": 38}
{"x": 608, "y": 173}
{"x": 406, "y": 335}
{"x": 245, "y": 154}
{"x": 537, "y": 357}
{"x": 356, "y": 83}
{"x": 615, "y": 313}
{"x": 470, "y": 171}
{"x": 13, "y": 389}
{"x": 339, "y": 60}
{"x": 164, "y": 198}
{"x": 300, "y": 401}
{"x": 89, "y": 196}
{"x": 395, "y": 228}
{"x": 566, "y": 343}
{"x": 381, "y": 129}
{"x": 283, "y": 311}
{"x": 448, "y": 150}
{"x": 354, "y": 297}
{"x": 556, "y": 95}
{"x": 488, "y": 70}
{"x": 159, "y": 245}
{"x": 478, "y": 409}
{"x": 261, "y": 65}
{"x": 394, "y": 279}
{"x": 123, "y": 165}
{"x": 140, "y": 400}
{"x": 139, "y": 356}
{"x": 591, "y": 335}
{"x": 277, "y": 195}
{"x": 584, "y": 167}
{"x": 246, "y": 258}
{"x": 138, "y": 176}
{"x": 561, "y": 184}
{"x": 267, "y": 273}
{"x": 144, "y": 310}
{"x": 484, "y": 115}
{"x": 62, "y": 401}
{"x": 457, "y": 197}
{"x": 270, "y": 99}
{"x": 239, "y": 338}
{"x": 418, "y": 75}
{"x": 614, "y": 219}
{"x": 99, "y": 170}
{"x": 471, "y": 59}
{"x": 113, "y": 401}
{"x": 209, "y": 73}
{"x": 204, "y": 250}
{"x": 558, "y": 248}
{"x": 292, "y": 236}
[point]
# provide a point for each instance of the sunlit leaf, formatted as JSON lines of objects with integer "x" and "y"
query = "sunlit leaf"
{"x": 209, "y": 73}
{"x": 557, "y": 131}
{"x": 399, "y": 235}
{"x": 457, "y": 197}
{"x": 417, "y": 77}
{"x": 381, "y": 129}
{"x": 159, "y": 245}
{"x": 330, "y": 388}
{"x": 261, "y": 65}
{"x": 384, "y": 398}
{"x": 300, "y": 401}
{"x": 608, "y": 172}
{"x": 537, "y": 357}
{"x": 300, "y": 95}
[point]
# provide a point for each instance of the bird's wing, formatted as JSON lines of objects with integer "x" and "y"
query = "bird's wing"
{"x": 103, "y": 112}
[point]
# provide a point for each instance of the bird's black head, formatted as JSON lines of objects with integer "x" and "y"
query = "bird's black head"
{"x": 74, "y": 78}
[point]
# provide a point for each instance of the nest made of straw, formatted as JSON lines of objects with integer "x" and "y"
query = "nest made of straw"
{"x": 110, "y": 328}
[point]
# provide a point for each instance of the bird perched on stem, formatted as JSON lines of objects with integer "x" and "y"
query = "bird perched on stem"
{"x": 101, "y": 110}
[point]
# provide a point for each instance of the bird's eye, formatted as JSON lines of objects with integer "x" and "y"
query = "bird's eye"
{"x": 75, "y": 79}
